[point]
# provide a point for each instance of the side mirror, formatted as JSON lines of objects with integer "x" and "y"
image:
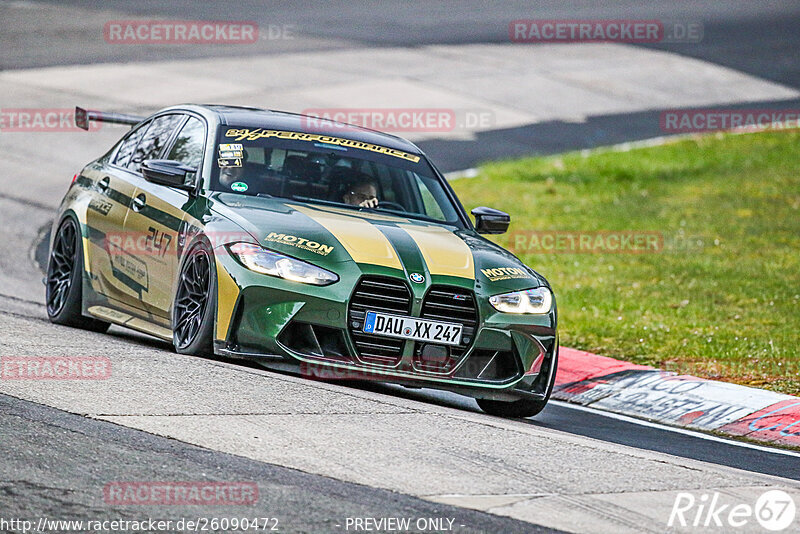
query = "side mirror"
{"x": 170, "y": 173}
{"x": 491, "y": 221}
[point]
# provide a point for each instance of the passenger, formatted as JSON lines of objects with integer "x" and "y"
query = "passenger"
{"x": 236, "y": 175}
{"x": 231, "y": 175}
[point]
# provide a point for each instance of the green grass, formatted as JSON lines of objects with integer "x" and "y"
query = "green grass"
{"x": 720, "y": 300}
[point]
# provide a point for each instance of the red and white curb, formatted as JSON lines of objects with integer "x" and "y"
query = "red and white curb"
{"x": 645, "y": 392}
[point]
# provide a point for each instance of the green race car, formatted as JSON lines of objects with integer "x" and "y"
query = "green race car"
{"x": 277, "y": 237}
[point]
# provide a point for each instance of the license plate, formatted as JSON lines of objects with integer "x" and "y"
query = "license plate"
{"x": 383, "y": 324}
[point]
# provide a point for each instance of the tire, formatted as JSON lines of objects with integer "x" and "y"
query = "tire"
{"x": 522, "y": 407}
{"x": 64, "y": 280}
{"x": 195, "y": 303}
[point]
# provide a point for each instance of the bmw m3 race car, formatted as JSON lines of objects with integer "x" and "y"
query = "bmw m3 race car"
{"x": 249, "y": 233}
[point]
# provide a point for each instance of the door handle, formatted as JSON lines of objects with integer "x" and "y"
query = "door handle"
{"x": 139, "y": 202}
{"x": 102, "y": 185}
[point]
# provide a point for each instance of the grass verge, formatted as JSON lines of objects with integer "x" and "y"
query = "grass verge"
{"x": 716, "y": 292}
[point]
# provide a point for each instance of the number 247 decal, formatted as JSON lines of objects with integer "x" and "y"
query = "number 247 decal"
{"x": 157, "y": 241}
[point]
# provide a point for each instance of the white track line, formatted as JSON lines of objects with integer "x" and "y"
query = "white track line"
{"x": 684, "y": 431}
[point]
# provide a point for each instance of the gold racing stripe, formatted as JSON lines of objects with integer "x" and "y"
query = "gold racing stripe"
{"x": 445, "y": 253}
{"x": 363, "y": 241}
{"x": 227, "y": 293}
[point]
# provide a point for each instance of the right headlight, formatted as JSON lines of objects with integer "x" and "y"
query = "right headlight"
{"x": 532, "y": 301}
{"x": 265, "y": 261}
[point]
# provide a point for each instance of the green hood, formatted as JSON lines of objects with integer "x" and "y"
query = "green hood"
{"x": 332, "y": 237}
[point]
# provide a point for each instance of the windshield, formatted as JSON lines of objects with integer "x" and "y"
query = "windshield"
{"x": 310, "y": 167}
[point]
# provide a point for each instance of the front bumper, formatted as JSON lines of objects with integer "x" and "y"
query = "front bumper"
{"x": 274, "y": 320}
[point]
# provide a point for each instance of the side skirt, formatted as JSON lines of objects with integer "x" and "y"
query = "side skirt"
{"x": 129, "y": 321}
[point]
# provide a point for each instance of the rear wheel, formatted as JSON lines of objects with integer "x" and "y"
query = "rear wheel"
{"x": 522, "y": 407}
{"x": 193, "y": 309}
{"x": 64, "y": 282}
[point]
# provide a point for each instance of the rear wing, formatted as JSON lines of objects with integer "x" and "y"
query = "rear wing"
{"x": 84, "y": 116}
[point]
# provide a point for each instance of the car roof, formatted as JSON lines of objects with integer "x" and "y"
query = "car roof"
{"x": 251, "y": 117}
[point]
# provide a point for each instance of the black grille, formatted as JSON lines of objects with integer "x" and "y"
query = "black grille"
{"x": 450, "y": 304}
{"x": 386, "y": 295}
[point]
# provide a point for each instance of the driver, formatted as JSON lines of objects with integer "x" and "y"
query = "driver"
{"x": 362, "y": 191}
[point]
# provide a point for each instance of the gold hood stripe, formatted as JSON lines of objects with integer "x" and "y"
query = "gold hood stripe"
{"x": 445, "y": 253}
{"x": 363, "y": 241}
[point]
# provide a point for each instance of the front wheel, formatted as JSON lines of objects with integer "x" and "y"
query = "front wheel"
{"x": 64, "y": 281}
{"x": 516, "y": 409}
{"x": 193, "y": 309}
{"x": 522, "y": 407}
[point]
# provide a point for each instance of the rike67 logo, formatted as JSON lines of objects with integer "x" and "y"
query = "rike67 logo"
{"x": 774, "y": 511}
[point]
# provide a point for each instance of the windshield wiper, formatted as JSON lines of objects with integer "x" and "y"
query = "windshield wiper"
{"x": 404, "y": 214}
{"x": 300, "y": 198}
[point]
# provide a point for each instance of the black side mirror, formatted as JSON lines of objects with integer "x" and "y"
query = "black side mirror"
{"x": 170, "y": 173}
{"x": 491, "y": 221}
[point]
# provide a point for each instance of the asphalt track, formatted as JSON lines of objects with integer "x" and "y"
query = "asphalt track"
{"x": 321, "y": 453}
{"x": 40, "y": 479}
{"x": 755, "y": 37}
{"x": 759, "y": 39}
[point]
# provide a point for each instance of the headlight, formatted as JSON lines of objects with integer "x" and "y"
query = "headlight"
{"x": 265, "y": 261}
{"x": 538, "y": 300}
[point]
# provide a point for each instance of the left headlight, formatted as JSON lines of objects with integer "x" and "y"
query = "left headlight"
{"x": 265, "y": 261}
{"x": 535, "y": 301}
